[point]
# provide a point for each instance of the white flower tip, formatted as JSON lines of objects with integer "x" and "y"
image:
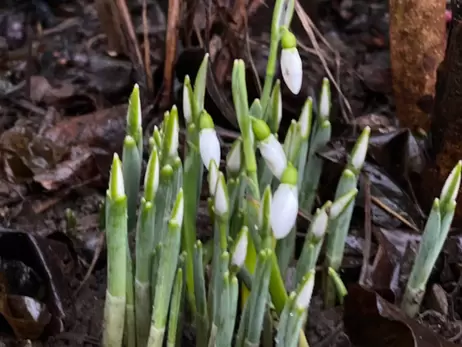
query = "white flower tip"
{"x": 187, "y": 109}
{"x": 320, "y": 222}
{"x": 209, "y": 146}
{"x": 273, "y": 153}
{"x": 292, "y": 71}
{"x": 284, "y": 210}
{"x": 360, "y": 150}
{"x": 240, "y": 250}
{"x": 116, "y": 180}
{"x": 173, "y": 150}
{"x": 452, "y": 183}
{"x": 233, "y": 161}
{"x": 305, "y": 118}
{"x": 324, "y": 105}
{"x": 304, "y": 296}
{"x": 221, "y": 196}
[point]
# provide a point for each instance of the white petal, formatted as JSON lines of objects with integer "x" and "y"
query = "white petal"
{"x": 319, "y": 226}
{"x": 187, "y": 110}
{"x": 221, "y": 200}
{"x": 273, "y": 153}
{"x": 284, "y": 210}
{"x": 291, "y": 66}
{"x": 209, "y": 146}
{"x": 304, "y": 297}
{"x": 240, "y": 251}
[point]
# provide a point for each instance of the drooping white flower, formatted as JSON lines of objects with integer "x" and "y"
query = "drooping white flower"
{"x": 209, "y": 146}
{"x": 292, "y": 70}
{"x": 273, "y": 153}
{"x": 284, "y": 210}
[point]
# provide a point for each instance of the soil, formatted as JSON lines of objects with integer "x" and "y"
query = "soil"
{"x": 356, "y": 29}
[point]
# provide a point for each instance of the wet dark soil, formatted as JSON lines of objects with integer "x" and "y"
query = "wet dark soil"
{"x": 355, "y": 47}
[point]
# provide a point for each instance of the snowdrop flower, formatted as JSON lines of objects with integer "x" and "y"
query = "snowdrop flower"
{"x": 358, "y": 155}
{"x": 284, "y": 206}
{"x": 452, "y": 184}
{"x": 291, "y": 63}
{"x": 209, "y": 145}
{"x": 240, "y": 248}
{"x": 303, "y": 299}
{"x": 221, "y": 196}
{"x": 270, "y": 148}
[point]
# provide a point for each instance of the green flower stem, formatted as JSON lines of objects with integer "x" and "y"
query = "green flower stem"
{"x": 144, "y": 244}
{"x": 265, "y": 174}
{"x": 285, "y": 250}
{"x": 168, "y": 263}
{"x": 314, "y": 165}
{"x": 272, "y": 57}
{"x": 175, "y": 305}
{"x": 116, "y": 239}
{"x": 222, "y": 337}
{"x": 202, "y": 320}
{"x": 338, "y": 231}
{"x": 131, "y": 168}
{"x": 193, "y": 172}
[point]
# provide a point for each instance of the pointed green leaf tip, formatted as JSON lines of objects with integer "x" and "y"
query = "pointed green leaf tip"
{"x": 290, "y": 175}
{"x": 151, "y": 179}
{"x": 116, "y": 181}
{"x": 206, "y": 121}
{"x": 260, "y": 129}
{"x": 452, "y": 185}
{"x": 288, "y": 40}
{"x": 134, "y": 112}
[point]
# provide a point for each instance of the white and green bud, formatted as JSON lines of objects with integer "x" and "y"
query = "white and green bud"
{"x": 270, "y": 148}
{"x": 451, "y": 185}
{"x": 178, "y": 209}
{"x": 234, "y": 157}
{"x": 358, "y": 155}
{"x": 151, "y": 177}
{"x": 325, "y": 102}
{"x": 284, "y": 205}
{"x": 305, "y": 119}
{"x": 340, "y": 204}
{"x": 209, "y": 145}
{"x": 303, "y": 298}
{"x": 320, "y": 221}
{"x": 187, "y": 100}
{"x": 171, "y": 135}
{"x": 291, "y": 63}
{"x": 221, "y": 201}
